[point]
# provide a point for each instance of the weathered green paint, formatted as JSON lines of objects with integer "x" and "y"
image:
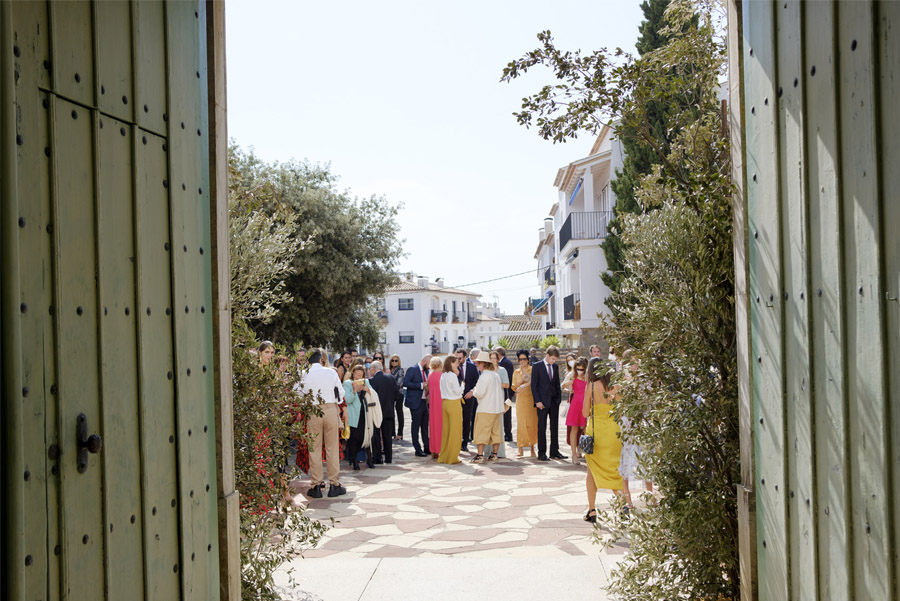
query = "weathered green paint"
{"x": 820, "y": 86}
{"x": 888, "y": 86}
{"x": 99, "y": 270}
{"x": 767, "y": 307}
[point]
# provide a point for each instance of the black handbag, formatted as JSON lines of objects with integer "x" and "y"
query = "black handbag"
{"x": 586, "y": 441}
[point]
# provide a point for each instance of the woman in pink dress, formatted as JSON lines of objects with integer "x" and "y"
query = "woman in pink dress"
{"x": 575, "y": 421}
{"x": 435, "y": 407}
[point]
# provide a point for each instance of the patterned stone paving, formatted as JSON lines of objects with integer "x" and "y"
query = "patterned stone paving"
{"x": 416, "y": 507}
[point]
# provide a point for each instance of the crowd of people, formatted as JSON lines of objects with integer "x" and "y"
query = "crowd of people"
{"x": 462, "y": 399}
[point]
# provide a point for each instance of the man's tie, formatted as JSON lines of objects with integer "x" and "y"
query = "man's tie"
{"x": 550, "y": 371}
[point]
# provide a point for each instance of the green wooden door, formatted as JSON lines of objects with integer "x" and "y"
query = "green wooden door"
{"x": 107, "y": 303}
{"x": 820, "y": 85}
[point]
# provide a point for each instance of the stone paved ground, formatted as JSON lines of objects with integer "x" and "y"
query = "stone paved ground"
{"x": 519, "y": 511}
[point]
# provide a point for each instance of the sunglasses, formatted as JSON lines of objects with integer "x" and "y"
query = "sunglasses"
{"x": 379, "y": 358}
{"x": 393, "y": 360}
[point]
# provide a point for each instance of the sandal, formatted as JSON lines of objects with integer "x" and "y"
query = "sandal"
{"x": 493, "y": 458}
{"x": 591, "y": 516}
{"x": 478, "y": 459}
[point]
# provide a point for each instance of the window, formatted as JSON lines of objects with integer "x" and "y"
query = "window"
{"x": 405, "y": 304}
{"x": 382, "y": 337}
{"x": 407, "y": 337}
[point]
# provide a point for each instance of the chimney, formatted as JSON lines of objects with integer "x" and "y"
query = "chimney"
{"x": 548, "y": 226}
{"x": 439, "y": 282}
{"x": 542, "y": 235}
{"x": 422, "y": 281}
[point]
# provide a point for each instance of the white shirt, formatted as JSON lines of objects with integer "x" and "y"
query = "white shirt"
{"x": 322, "y": 381}
{"x": 450, "y": 387}
{"x": 489, "y": 392}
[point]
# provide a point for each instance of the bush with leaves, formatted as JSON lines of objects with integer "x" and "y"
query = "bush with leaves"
{"x": 548, "y": 341}
{"x": 263, "y": 245}
{"x": 273, "y": 529}
{"x": 677, "y": 321}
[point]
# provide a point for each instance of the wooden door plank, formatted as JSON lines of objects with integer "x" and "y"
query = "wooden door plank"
{"x": 150, "y": 65}
{"x": 76, "y": 313}
{"x": 792, "y": 78}
{"x": 32, "y": 174}
{"x": 830, "y": 501}
{"x": 192, "y": 293}
{"x": 863, "y": 296}
{"x": 156, "y": 359}
{"x": 118, "y": 357}
{"x": 72, "y": 65}
{"x": 888, "y": 83}
{"x": 766, "y": 308}
{"x": 113, "y": 40}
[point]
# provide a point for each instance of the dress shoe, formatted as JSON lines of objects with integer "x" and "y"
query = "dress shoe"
{"x": 543, "y": 458}
{"x": 355, "y": 466}
{"x": 559, "y": 456}
{"x": 370, "y": 464}
{"x": 315, "y": 492}
{"x": 421, "y": 454}
{"x": 336, "y": 490}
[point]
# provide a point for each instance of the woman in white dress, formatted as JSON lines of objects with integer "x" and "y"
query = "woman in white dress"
{"x": 504, "y": 384}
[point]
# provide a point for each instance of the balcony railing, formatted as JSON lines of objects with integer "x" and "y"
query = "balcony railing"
{"x": 458, "y": 318}
{"x": 584, "y": 226}
{"x": 572, "y": 306}
{"x": 438, "y": 317}
{"x": 550, "y": 276}
{"x": 471, "y": 318}
{"x": 383, "y": 316}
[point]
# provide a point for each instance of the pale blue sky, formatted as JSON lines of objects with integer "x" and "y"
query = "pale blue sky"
{"x": 403, "y": 99}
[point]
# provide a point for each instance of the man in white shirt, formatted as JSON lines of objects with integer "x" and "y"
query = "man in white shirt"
{"x": 325, "y": 384}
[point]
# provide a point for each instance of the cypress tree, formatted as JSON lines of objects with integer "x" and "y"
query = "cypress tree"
{"x": 639, "y": 157}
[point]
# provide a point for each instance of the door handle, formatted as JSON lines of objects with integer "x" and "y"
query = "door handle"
{"x": 86, "y": 444}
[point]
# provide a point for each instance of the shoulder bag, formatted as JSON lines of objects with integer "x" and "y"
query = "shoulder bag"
{"x": 586, "y": 441}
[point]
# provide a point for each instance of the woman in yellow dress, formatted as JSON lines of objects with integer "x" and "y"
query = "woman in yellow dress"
{"x": 451, "y": 411}
{"x": 603, "y": 463}
{"x": 526, "y": 412}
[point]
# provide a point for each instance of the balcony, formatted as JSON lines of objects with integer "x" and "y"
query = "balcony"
{"x": 383, "y": 316}
{"x": 550, "y": 276}
{"x": 584, "y": 226}
{"x": 458, "y": 317}
{"x": 471, "y": 318}
{"x": 438, "y": 317}
{"x": 538, "y": 306}
{"x": 572, "y": 306}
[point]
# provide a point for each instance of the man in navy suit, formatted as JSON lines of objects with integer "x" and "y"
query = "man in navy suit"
{"x": 547, "y": 393}
{"x": 506, "y": 364}
{"x": 386, "y": 388}
{"x": 468, "y": 377}
{"x": 415, "y": 383}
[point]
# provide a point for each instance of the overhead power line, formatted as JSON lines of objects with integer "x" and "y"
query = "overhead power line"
{"x": 503, "y": 277}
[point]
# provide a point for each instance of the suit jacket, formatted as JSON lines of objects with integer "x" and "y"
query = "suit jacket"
{"x": 415, "y": 386}
{"x": 544, "y": 389}
{"x": 386, "y": 388}
{"x": 471, "y": 376}
{"x": 506, "y": 364}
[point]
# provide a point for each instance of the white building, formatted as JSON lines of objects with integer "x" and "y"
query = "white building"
{"x": 569, "y": 255}
{"x": 421, "y": 317}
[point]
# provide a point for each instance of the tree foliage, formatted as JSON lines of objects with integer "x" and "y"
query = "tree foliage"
{"x": 265, "y": 405}
{"x": 349, "y": 255}
{"x": 677, "y": 279}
